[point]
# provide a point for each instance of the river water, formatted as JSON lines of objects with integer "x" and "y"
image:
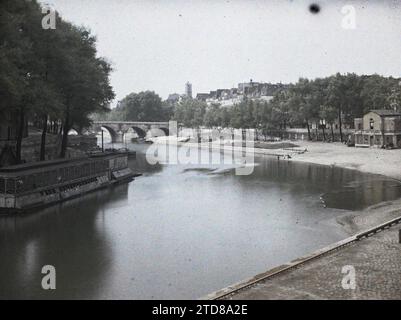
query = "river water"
{"x": 181, "y": 231}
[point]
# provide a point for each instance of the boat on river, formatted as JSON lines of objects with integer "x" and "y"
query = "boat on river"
{"x": 27, "y": 186}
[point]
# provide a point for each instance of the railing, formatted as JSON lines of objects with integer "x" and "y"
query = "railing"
{"x": 132, "y": 122}
{"x": 375, "y": 132}
{"x": 327, "y": 130}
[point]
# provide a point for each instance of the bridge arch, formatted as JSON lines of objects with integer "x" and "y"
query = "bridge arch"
{"x": 158, "y": 132}
{"x": 113, "y": 134}
{"x": 165, "y": 130}
{"x": 139, "y": 131}
{"x": 73, "y": 132}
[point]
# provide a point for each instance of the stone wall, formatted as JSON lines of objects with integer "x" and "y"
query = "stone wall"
{"x": 77, "y": 147}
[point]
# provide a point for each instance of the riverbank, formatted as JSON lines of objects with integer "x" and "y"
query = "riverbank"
{"x": 370, "y": 160}
{"x": 382, "y": 162}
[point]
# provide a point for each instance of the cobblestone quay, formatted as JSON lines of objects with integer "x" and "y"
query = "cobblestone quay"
{"x": 376, "y": 260}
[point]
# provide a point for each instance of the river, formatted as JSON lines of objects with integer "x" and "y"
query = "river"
{"x": 180, "y": 231}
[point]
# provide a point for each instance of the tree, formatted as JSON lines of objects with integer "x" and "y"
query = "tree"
{"x": 265, "y": 116}
{"x": 142, "y": 106}
{"x": 329, "y": 114}
{"x": 212, "y": 118}
{"x": 337, "y": 91}
{"x": 237, "y": 115}
{"x": 48, "y": 75}
{"x": 224, "y": 117}
{"x": 16, "y": 63}
{"x": 85, "y": 81}
{"x": 378, "y": 92}
{"x": 190, "y": 112}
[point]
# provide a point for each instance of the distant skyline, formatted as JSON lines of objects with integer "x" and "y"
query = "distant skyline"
{"x": 160, "y": 45}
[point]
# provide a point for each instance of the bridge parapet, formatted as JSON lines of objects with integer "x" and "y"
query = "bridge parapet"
{"x": 118, "y": 129}
{"x": 164, "y": 123}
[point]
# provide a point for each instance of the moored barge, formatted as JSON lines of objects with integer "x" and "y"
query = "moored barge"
{"x": 33, "y": 185}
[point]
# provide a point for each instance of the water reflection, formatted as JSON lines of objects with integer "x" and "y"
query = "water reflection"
{"x": 71, "y": 236}
{"x": 181, "y": 231}
{"x": 339, "y": 188}
{"x": 359, "y": 195}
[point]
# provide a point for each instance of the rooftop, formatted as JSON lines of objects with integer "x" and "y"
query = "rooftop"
{"x": 386, "y": 113}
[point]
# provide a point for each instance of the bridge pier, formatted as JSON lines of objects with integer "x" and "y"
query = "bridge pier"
{"x": 118, "y": 137}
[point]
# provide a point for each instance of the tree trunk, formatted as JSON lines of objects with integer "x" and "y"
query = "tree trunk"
{"x": 20, "y": 134}
{"x": 340, "y": 124}
{"x": 43, "y": 139}
{"x": 324, "y": 134}
{"x": 309, "y": 136}
{"x": 332, "y": 131}
{"x": 65, "y": 129}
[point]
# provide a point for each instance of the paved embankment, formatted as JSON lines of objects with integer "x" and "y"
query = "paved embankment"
{"x": 375, "y": 256}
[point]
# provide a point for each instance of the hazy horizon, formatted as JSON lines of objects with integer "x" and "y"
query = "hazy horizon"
{"x": 159, "y": 45}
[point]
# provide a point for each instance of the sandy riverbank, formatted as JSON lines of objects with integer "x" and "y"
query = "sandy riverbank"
{"x": 371, "y": 160}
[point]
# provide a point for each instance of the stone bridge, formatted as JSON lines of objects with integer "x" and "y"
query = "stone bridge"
{"x": 117, "y": 129}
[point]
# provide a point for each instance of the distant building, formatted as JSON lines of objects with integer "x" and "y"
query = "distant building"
{"x": 202, "y": 96}
{"x": 245, "y": 86}
{"x": 188, "y": 90}
{"x": 212, "y": 95}
{"x": 251, "y": 90}
{"x": 378, "y": 128}
{"x": 173, "y": 98}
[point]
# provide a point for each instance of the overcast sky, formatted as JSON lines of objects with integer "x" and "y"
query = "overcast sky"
{"x": 159, "y": 45}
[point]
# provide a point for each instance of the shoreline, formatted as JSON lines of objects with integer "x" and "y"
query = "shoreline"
{"x": 369, "y": 160}
{"x": 385, "y": 163}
